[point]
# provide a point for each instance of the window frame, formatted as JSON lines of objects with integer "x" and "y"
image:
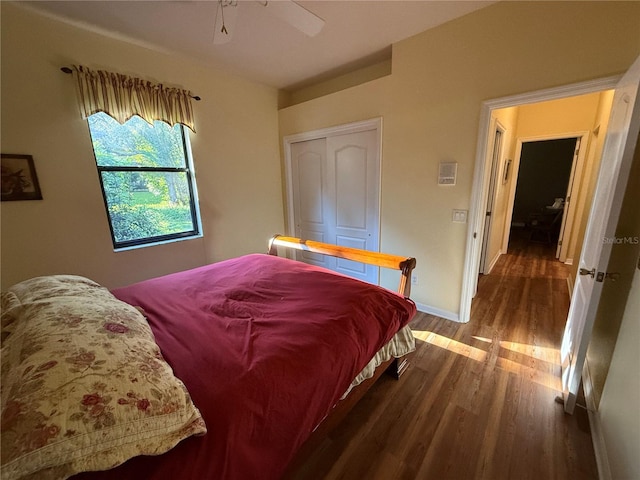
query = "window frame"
{"x": 189, "y": 172}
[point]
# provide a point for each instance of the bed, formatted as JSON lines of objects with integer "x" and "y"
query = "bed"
{"x": 231, "y": 371}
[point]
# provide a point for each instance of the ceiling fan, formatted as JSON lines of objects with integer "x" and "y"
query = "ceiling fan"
{"x": 287, "y": 10}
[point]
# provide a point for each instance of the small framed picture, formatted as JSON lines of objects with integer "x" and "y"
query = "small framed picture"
{"x": 19, "y": 180}
{"x": 507, "y": 170}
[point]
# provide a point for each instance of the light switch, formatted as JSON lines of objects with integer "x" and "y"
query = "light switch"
{"x": 459, "y": 216}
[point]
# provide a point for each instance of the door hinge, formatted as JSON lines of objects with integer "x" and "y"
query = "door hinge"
{"x": 560, "y": 242}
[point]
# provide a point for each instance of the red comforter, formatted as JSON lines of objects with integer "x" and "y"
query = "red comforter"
{"x": 266, "y": 346}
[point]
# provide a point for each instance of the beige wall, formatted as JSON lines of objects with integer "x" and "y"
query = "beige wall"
{"x": 235, "y": 151}
{"x": 567, "y": 115}
{"x": 430, "y": 106}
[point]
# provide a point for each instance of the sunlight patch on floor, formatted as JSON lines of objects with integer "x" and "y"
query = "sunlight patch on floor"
{"x": 451, "y": 345}
{"x": 539, "y": 365}
{"x": 550, "y": 355}
{"x": 546, "y": 379}
{"x": 482, "y": 339}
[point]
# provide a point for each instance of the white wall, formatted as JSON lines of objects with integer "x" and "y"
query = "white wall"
{"x": 235, "y": 149}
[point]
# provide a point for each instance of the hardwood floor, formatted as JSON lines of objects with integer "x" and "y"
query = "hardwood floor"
{"x": 478, "y": 399}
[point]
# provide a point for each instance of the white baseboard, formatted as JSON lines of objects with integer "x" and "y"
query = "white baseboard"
{"x": 597, "y": 437}
{"x": 438, "y": 312}
{"x": 493, "y": 263}
{"x": 570, "y": 286}
{"x": 568, "y": 261}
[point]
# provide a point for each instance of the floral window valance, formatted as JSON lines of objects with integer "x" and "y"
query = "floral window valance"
{"x": 122, "y": 97}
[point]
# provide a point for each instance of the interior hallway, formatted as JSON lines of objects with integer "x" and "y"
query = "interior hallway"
{"x": 478, "y": 399}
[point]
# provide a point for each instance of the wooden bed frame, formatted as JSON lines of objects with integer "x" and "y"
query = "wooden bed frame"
{"x": 394, "y": 366}
{"x": 395, "y": 262}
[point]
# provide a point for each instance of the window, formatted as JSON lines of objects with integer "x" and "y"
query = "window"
{"x": 147, "y": 180}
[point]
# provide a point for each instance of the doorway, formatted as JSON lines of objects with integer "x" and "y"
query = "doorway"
{"x": 479, "y": 196}
{"x": 623, "y": 121}
{"x": 543, "y": 190}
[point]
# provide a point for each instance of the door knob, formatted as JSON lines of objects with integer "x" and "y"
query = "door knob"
{"x": 584, "y": 271}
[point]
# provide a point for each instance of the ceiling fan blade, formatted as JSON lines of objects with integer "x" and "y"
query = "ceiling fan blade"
{"x": 296, "y": 15}
{"x": 225, "y": 22}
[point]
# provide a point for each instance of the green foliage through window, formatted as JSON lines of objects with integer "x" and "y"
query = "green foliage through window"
{"x": 146, "y": 179}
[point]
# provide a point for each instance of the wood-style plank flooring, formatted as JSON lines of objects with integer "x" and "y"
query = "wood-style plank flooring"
{"x": 478, "y": 399}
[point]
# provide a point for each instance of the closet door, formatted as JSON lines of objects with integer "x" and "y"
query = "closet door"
{"x": 353, "y": 190}
{"x": 312, "y": 211}
{"x": 335, "y": 186}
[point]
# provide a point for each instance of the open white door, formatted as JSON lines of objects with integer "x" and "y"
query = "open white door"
{"x": 569, "y": 208}
{"x": 488, "y": 222}
{"x": 619, "y": 145}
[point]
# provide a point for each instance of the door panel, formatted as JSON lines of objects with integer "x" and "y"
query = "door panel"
{"x": 313, "y": 217}
{"x": 619, "y": 146}
{"x": 309, "y": 179}
{"x": 354, "y": 175}
{"x": 351, "y": 187}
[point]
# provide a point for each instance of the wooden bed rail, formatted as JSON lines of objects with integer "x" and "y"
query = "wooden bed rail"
{"x": 395, "y": 262}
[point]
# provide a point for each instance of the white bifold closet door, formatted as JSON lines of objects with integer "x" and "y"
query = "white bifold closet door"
{"x": 336, "y": 197}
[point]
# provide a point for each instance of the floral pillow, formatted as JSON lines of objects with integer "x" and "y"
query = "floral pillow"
{"x": 84, "y": 385}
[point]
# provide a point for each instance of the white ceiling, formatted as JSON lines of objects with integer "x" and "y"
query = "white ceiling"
{"x": 263, "y": 47}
